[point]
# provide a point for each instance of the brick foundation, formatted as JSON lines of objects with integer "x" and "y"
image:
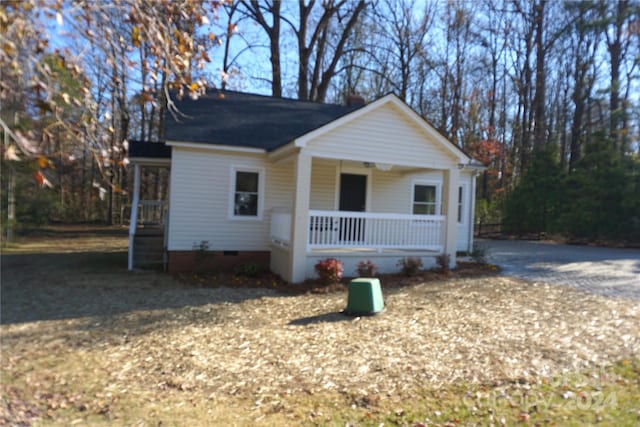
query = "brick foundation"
{"x": 191, "y": 261}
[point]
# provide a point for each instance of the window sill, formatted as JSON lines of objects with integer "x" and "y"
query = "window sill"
{"x": 246, "y": 218}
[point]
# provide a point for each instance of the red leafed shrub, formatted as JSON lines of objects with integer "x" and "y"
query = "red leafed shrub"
{"x": 367, "y": 269}
{"x": 329, "y": 270}
{"x": 410, "y": 266}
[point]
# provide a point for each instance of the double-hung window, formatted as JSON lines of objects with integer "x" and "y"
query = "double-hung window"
{"x": 247, "y": 193}
{"x": 425, "y": 199}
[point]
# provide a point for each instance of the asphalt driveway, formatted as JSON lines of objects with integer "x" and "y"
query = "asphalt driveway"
{"x": 605, "y": 271}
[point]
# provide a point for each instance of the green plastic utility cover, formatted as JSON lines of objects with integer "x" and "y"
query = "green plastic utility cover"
{"x": 365, "y": 297}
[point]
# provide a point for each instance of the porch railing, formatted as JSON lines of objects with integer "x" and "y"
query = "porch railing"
{"x": 380, "y": 231}
{"x": 152, "y": 212}
{"x": 341, "y": 229}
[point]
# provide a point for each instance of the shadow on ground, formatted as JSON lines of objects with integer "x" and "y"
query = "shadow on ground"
{"x": 336, "y": 316}
{"x": 54, "y": 286}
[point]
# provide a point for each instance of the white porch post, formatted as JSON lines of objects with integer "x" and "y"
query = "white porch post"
{"x": 472, "y": 211}
{"x": 300, "y": 218}
{"x": 450, "y": 205}
{"x": 165, "y": 243}
{"x": 133, "y": 222}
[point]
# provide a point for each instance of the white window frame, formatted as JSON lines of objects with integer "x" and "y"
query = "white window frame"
{"x": 232, "y": 192}
{"x": 437, "y": 184}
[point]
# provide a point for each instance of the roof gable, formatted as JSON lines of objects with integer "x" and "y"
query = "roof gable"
{"x": 388, "y": 122}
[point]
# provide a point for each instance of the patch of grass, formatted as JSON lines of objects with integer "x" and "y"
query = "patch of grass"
{"x": 99, "y": 262}
{"x": 605, "y": 397}
{"x": 43, "y": 245}
{"x": 609, "y": 397}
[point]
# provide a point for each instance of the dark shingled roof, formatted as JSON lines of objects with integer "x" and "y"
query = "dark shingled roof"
{"x": 152, "y": 150}
{"x": 248, "y": 120}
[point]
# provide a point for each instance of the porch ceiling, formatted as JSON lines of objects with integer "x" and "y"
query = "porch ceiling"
{"x": 382, "y": 167}
{"x": 353, "y": 164}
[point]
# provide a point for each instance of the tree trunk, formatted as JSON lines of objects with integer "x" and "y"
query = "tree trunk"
{"x": 539, "y": 100}
{"x": 615, "y": 55}
{"x": 330, "y": 71}
{"x": 254, "y": 9}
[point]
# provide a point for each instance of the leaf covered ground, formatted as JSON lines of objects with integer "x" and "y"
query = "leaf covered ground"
{"x": 86, "y": 342}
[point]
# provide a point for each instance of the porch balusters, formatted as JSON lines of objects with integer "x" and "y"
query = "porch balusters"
{"x": 337, "y": 229}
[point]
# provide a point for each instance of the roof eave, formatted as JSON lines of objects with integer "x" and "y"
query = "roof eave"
{"x": 473, "y": 165}
{"x": 283, "y": 152}
{"x": 149, "y": 161}
{"x": 216, "y": 147}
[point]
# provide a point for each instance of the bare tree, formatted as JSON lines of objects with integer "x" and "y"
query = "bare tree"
{"x": 401, "y": 43}
{"x": 583, "y": 44}
{"x": 539, "y": 98}
{"x": 321, "y": 47}
{"x": 173, "y": 44}
{"x": 260, "y": 12}
{"x": 118, "y": 39}
{"x": 453, "y": 71}
{"x": 619, "y": 17}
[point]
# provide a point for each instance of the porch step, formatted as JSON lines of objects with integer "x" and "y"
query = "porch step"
{"x": 149, "y": 231}
{"x": 148, "y": 251}
{"x": 149, "y": 241}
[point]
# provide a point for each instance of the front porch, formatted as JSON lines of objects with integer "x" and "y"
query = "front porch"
{"x": 377, "y": 212}
{"x": 352, "y": 237}
{"x": 343, "y": 231}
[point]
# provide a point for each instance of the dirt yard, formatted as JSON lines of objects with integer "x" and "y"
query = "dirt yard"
{"x": 86, "y": 342}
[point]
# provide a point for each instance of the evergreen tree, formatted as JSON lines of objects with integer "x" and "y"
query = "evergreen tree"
{"x": 600, "y": 194}
{"x": 534, "y": 205}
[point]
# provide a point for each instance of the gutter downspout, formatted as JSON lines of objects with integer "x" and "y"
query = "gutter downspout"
{"x": 167, "y": 218}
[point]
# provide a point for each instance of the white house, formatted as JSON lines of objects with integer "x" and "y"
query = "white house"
{"x": 286, "y": 183}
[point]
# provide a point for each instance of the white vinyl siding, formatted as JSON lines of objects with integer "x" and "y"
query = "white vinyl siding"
{"x": 323, "y": 185}
{"x": 279, "y": 186}
{"x": 389, "y": 193}
{"x": 393, "y": 191}
{"x": 384, "y": 135}
{"x": 200, "y": 203}
{"x": 390, "y": 190}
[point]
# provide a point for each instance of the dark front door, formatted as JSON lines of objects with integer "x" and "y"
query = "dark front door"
{"x": 353, "y": 197}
